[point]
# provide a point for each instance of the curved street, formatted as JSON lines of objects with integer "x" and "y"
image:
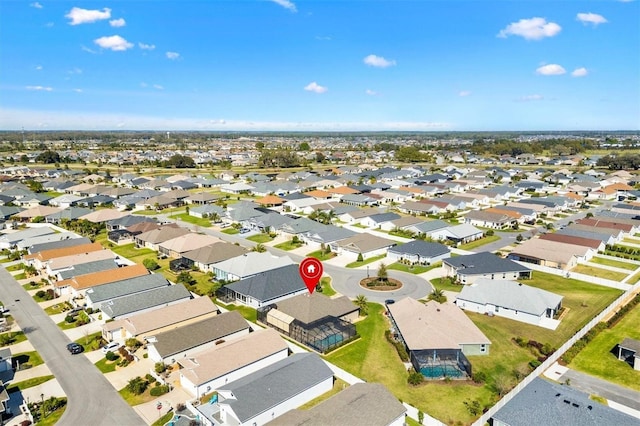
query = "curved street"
{"x": 91, "y": 400}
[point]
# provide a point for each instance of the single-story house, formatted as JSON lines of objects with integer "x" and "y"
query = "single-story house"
{"x": 437, "y": 336}
{"x": 490, "y": 219}
{"x": 551, "y": 253}
{"x": 176, "y": 247}
{"x": 597, "y": 245}
{"x": 5, "y": 359}
{"x": 159, "y": 320}
{"x": 152, "y": 239}
{"x": 248, "y": 265}
{"x": 9, "y": 241}
{"x": 169, "y": 346}
{"x": 418, "y": 252}
{"x": 315, "y": 320}
{"x": 629, "y": 351}
{"x": 511, "y": 300}
{"x": 266, "y": 394}
{"x": 208, "y": 370}
{"x": 40, "y": 259}
{"x": 58, "y": 264}
{"x": 468, "y": 268}
{"x": 145, "y": 302}
{"x": 377, "y": 220}
{"x": 98, "y": 296}
{"x": 265, "y": 288}
{"x": 364, "y": 244}
{"x": 205, "y": 257}
{"x": 361, "y": 404}
{"x": 78, "y": 285}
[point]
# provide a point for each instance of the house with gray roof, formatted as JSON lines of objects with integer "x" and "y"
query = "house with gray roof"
{"x": 265, "y": 288}
{"x": 49, "y": 238}
{"x": 86, "y": 268}
{"x": 427, "y": 227}
{"x": 418, "y": 252}
{"x": 9, "y": 241}
{"x": 147, "y": 301}
{"x": 98, "y": 296}
{"x": 365, "y": 244}
{"x": 629, "y": 352}
{"x": 468, "y": 268}
{"x": 327, "y": 235}
{"x": 207, "y": 210}
{"x": 358, "y": 200}
{"x": 361, "y": 404}
{"x": 180, "y": 342}
{"x": 204, "y": 258}
{"x": 70, "y": 213}
{"x": 543, "y": 402}
{"x": 513, "y": 300}
{"x": 377, "y": 220}
{"x": 270, "y": 392}
{"x": 248, "y": 265}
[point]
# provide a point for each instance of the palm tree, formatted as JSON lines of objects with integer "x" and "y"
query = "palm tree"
{"x": 260, "y": 248}
{"x": 362, "y": 303}
{"x": 383, "y": 275}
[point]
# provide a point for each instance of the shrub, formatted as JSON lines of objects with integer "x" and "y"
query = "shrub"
{"x": 137, "y": 386}
{"x": 150, "y": 264}
{"x": 40, "y": 294}
{"x": 360, "y": 258}
{"x": 159, "y": 390}
{"x": 534, "y": 363}
{"x": 415, "y": 378}
{"x": 150, "y": 378}
{"x": 160, "y": 367}
{"x": 110, "y": 356}
{"x": 69, "y": 319}
{"x": 479, "y": 377}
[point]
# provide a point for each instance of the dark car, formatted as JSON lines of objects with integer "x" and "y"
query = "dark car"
{"x": 75, "y": 348}
{"x": 389, "y": 302}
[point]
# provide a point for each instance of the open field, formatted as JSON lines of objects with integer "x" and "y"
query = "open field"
{"x": 479, "y": 243}
{"x": 599, "y": 272}
{"x": 357, "y": 264}
{"x": 614, "y": 263}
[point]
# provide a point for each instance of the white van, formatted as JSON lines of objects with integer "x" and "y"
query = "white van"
{"x": 110, "y": 347}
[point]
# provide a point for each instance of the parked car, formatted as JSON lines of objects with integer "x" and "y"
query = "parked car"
{"x": 389, "y": 302}
{"x": 110, "y": 347}
{"x": 244, "y": 230}
{"x": 75, "y": 348}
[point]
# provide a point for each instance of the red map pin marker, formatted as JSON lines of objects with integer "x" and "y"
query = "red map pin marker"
{"x": 311, "y": 272}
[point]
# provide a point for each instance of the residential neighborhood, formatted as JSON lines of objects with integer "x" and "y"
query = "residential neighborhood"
{"x": 182, "y": 290}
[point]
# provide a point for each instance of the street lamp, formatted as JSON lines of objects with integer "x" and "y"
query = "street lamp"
{"x": 41, "y": 407}
{"x": 367, "y": 271}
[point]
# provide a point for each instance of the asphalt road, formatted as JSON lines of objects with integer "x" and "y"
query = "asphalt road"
{"x": 594, "y": 386}
{"x": 91, "y": 400}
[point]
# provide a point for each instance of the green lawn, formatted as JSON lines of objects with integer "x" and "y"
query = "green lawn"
{"x": 247, "y": 312}
{"x": 615, "y": 263}
{"x": 133, "y": 399}
{"x": 12, "y": 338}
{"x": 260, "y": 238}
{"x": 57, "y": 308}
{"x": 327, "y": 290}
{"x": 23, "y": 359}
{"x": 414, "y": 269}
{"x": 21, "y": 276}
{"x": 66, "y": 325}
{"x": 28, "y": 286}
{"x": 366, "y": 261}
{"x": 634, "y": 279}
{"x": 599, "y": 272}
{"x": 478, "y": 243}
{"x": 445, "y": 284}
{"x": 91, "y": 342}
{"x": 289, "y": 245}
{"x": 205, "y": 223}
{"x": 338, "y": 385}
{"x": 321, "y": 255}
{"x": 230, "y": 231}
{"x": 373, "y": 359}
{"x": 16, "y": 267}
{"x": 162, "y": 421}
{"x": 597, "y": 360}
{"x": 29, "y": 383}
{"x": 107, "y": 366}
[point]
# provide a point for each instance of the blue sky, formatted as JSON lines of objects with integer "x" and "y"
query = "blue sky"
{"x": 320, "y": 65}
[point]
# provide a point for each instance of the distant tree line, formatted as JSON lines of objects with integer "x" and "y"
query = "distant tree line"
{"x": 513, "y": 148}
{"x": 279, "y": 158}
{"x": 179, "y": 161}
{"x": 620, "y": 162}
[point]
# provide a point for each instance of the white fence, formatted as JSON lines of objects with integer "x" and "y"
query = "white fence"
{"x": 555, "y": 356}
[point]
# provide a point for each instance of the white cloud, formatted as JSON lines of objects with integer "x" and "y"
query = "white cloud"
{"x": 115, "y": 43}
{"x": 315, "y": 88}
{"x": 371, "y": 92}
{"x": 464, "y": 93}
{"x": 378, "y": 61}
{"x": 85, "y": 16}
{"x": 550, "y": 69}
{"x": 143, "y": 84}
{"x": 86, "y": 49}
{"x": 530, "y": 98}
{"x": 36, "y": 4}
{"x": 75, "y": 71}
{"x": 38, "y": 67}
{"x": 77, "y": 90}
{"x": 323, "y": 38}
{"x": 172, "y": 55}
{"x": 579, "y": 72}
{"x": 40, "y": 88}
{"x": 591, "y": 18}
{"x": 287, "y": 4}
{"x": 158, "y": 87}
{"x": 531, "y": 29}
{"x": 120, "y": 22}
{"x": 144, "y": 46}
{"x": 11, "y": 119}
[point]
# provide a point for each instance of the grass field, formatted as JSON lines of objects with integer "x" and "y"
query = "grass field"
{"x": 414, "y": 269}
{"x": 230, "y": 231}
{"x": 599, "y": 272}
{"x": 260, "y": 238}
{"x": 288, "y": 245}
{"x": 29, "y": 383}
{"x": 597, "y": 360}
{"x": 321, "y": 255}
{"x": 445, "y": 284}
{"x": 615, "y": 263}
{"x": 365, "y": 262}
{"x": 338, "y": 385}
{"x": 327, "y": 290}
{"x": 23, "y": 359}
{"x": 479, "y": 243}
{"x": 106, "y": 366}
{"x": 205, "y": 223}
{"x": 247, "y": 312}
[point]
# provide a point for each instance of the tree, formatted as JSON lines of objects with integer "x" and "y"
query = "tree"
{"x": 320, "y": 157}
{"x": 304, "y": 146}
{"x": 185, "y": 278}
{"x": 180, "y": 162}
{"x": 137, "y": 385}
{"x": 150, "y": 264}
{"x": 260, "y": 248}
{"x": 415, "y": 378}
{"x": 362, "y": 304}
{"x": 34, "y": 185}
{"x": 519, "y": 238}
{"x": 383, "y": 275}
{"x": 438, "y": 296}
{"x": 48, "y": 157}
{"x": 360, "y": 258}
{"x": 259, "y": 145}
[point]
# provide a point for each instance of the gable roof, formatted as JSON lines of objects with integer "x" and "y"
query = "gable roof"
{"x": 542, "y": 402}
{"x": 148, "y": 300}
{"x": 361, "y": 404}
{"x": 365, "y": 242}
{"x": 126, "y": 287}
{"x": 421, "y": 248}
{"x": 308, "y": 308}
{"x": 214, "y": 253}
{"x": 187, "y": 242}
{"x": 88, "y": 268}
{"x": 569, "y": 239}
{"x": 45, "y": 255}
{"x": 511, "y": 295}
{"x": 253, "y": 263}
{"x": 269, "y": 285}
{"x": 198, "y": 333}
{"x": 483, "y": 263}
{"x": 231, "y": 355}
{"x": 76, "y": 259}
{"x": 434, "y": 326}
{"x": 275, "y": 384}
{"x": 157, "y": 236}
{"x": 82, "y": 282}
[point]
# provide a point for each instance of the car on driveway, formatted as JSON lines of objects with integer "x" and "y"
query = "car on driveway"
{"x": 75, "y": 348}
{"x": 110, "y": 347}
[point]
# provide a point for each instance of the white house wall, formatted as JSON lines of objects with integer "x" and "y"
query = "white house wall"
{"x": 170, "y": 359}
{"x": 212, "y": 385}
{"x": 499, "y": 311}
